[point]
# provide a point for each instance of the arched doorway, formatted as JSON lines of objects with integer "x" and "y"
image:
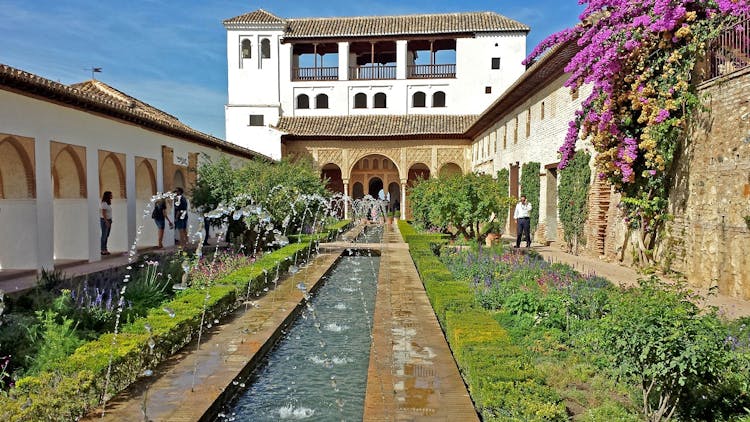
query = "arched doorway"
{"x": 449, "y": 169}
{"x": 358, "y": 192}
{"x": 112, "y": 178}
{"x": 374, "y": 172}
{"x": 145, "y": 188}
{"x": 418, "y": 171}
{"x": 395, "y": 190}
{"x": 375, "y": 185}
{"x": 332, "y": 173}
{"x": 70, "y": 208}
{"x": 18, "y": 221}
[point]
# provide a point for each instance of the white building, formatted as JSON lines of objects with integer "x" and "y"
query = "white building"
{"x": 62, "y": 146}
{"x": 444, "y": 64}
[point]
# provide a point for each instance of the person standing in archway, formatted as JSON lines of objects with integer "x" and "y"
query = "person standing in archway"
{"x": 522, "y": 214}
{"x": 181, "y": 216}
{"x": 105, "y": 220}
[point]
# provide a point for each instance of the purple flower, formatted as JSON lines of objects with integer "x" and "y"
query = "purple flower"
{"x": 662, "y": 116}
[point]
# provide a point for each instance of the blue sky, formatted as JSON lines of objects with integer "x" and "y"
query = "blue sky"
{"x": 172, "y": 53}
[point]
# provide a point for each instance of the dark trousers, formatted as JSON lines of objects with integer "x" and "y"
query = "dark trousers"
{"x": 524, "y": 226}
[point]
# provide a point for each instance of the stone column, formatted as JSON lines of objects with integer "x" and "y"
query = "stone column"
{"x": 403, "y": 199}
{"x": 93, "y": 201}
{"x": 45, "y": 216}
{"x": 401, "y": 59}
{"x": 346, "y": 196}
{"x": 343, "y": 61}
{"x": 130, "y": 193}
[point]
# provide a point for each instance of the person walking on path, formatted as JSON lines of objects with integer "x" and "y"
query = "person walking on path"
{"x": 522, "y": 215}
{"x": 105, "y": 220}
{"x": 160, "y": 215}
{"x": 181, "y": 216}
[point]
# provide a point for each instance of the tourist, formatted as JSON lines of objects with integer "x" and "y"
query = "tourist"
{"x": 522, "y": 215}
{"x": 160, "y": 215}
{"x": 181, "y": 215}
{"x": 105, "y": 220}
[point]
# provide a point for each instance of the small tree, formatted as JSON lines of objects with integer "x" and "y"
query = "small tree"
{"x": 458, "y": 204}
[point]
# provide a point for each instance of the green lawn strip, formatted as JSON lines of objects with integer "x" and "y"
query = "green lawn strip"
{"x": 75, "y": 385}
{"x": 502, "y": 381}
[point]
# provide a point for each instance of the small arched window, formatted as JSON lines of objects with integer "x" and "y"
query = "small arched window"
{"x": 321, "y": 101}
{"x": 418, "y": 99}
{"x": 360, "y": 100}
{"x": 265, "y": 48}
{"x": 380, "y": 100}
{"x": 438, "y": 99}
{"x": 247, "y": 48}
{"x": 303, "y": 101}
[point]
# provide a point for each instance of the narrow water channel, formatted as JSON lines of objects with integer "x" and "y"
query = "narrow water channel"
{"x": 318, "y": 370}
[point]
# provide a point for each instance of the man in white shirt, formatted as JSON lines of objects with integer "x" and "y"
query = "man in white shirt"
{"x": 522, "y": 215}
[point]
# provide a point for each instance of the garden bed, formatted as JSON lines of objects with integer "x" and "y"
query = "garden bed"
{"x": 538, "y": 341}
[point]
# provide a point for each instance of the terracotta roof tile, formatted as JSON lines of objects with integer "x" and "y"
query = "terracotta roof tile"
{"x": 363, "y": 26}
{"x": 376, "y": 125}
{"x": 256, "y": 16}
{"x": 96, "y": 96}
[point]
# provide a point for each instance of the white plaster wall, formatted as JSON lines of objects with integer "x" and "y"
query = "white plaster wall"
{"x": 263, "y": 139}
{"x": 43, "y": 122}
{"x": 18, "y": 234}
{"x": 118, "y": 237}
{"x": 148, "y": 236}
{"x": 254, "y": 81}
{"x": 474, "y": 68}
{"x": 71, "y": 228}
{"x": 543, "y": 142}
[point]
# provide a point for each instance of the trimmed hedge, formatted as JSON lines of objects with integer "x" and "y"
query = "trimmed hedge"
{"x": 75, "y": 385}
{"x": 503, "y": 382}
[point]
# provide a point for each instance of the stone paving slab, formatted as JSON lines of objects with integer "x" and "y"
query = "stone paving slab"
{"x": 174, "y": 393}
{"x": 412, "y": 375}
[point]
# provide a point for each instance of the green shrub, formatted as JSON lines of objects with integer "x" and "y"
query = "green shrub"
{"x": 53, "y": 341}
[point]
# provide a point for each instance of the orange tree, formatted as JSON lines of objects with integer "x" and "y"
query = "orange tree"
{"x": 459, "y": 204}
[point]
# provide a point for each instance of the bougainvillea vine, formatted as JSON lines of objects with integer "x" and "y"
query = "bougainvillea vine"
{"x": 638, "y": 58}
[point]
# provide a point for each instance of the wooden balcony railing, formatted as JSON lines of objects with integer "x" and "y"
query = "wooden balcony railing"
{"x": 730, "y": 51}
{"x": 315, "y": 73}
{"x": 430, "y": 71}
{"x": 372, "y": 72}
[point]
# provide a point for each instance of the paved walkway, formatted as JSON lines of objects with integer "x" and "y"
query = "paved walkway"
{"x": 412, "y": 375}
{"x": 730, "y": 307}
{"x": 15, "y": 281}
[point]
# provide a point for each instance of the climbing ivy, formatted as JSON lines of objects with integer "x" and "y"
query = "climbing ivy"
{"x": 573, "y": 194}
{"x": 530, "y": 188}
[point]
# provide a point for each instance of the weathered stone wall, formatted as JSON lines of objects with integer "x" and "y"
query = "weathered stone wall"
{"x": 709, "y": 241}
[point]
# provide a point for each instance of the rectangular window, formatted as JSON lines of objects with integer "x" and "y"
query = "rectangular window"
{"x": 528, "y": 122}
{"x": 256, "y": 120}
{"x": 505, "y": 137}
{"x": 488, "y": 90}
{"x": 542, "y": 111}
{"x": 496, "y": 62}
{"x": 515, "y": 131}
